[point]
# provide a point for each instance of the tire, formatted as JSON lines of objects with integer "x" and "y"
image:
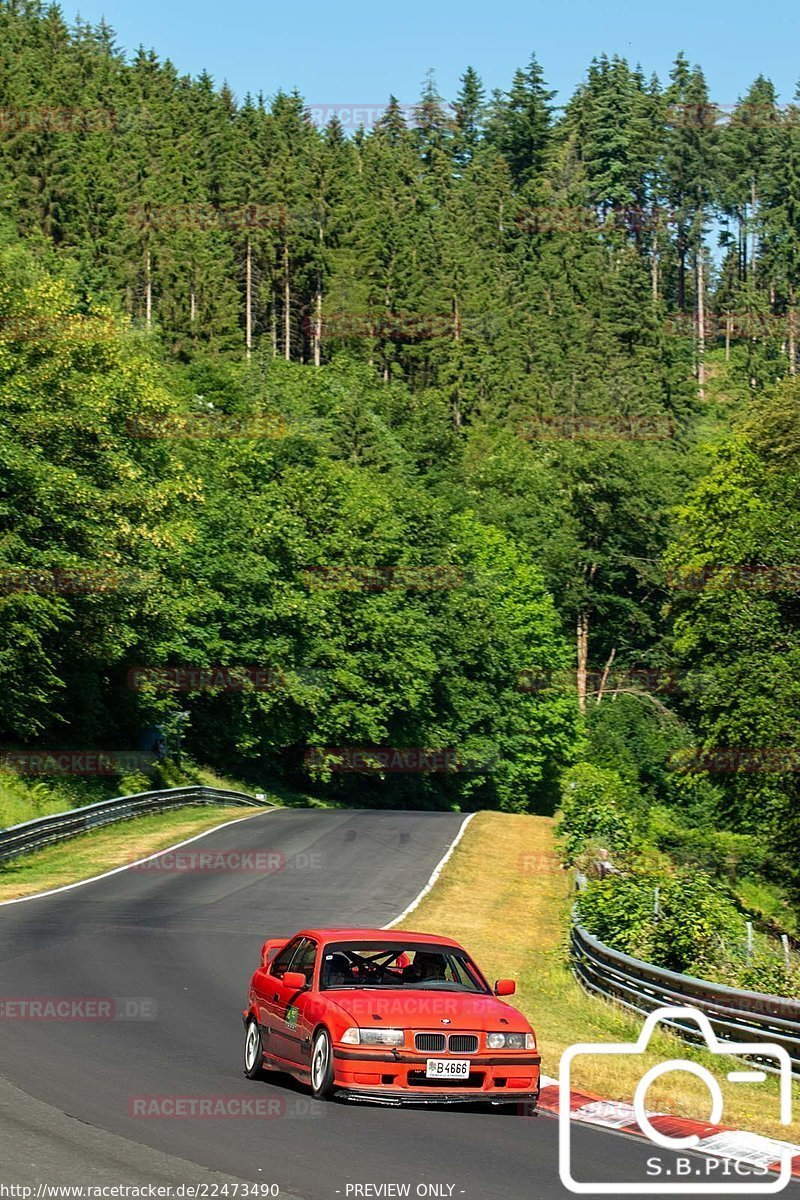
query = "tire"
{"x": 322, "y": 1065}
{"x": 253, "y": 1050}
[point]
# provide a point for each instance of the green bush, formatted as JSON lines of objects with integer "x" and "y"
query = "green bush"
{"x": 636, "y": 735}
{"x": 696, "y": 918}
{"x": 135, "y": 782}
{"x": 597, "y": 806}
{"x": 767, "y": 973}
{"x": 717, "y": 851}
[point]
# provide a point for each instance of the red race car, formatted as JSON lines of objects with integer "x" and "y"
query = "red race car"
{"x": 388, "y": 1017}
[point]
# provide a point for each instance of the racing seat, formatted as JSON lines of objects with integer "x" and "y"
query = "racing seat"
{"x": 425, "y": 966}
{"x": 339, "y": 970}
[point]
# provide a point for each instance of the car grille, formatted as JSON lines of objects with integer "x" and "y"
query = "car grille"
{"x": 463, "y": 1043}
{"x": 430, "y": 1042}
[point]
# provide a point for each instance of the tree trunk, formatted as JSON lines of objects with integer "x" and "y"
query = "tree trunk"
{"x": 386, "y": 339}
{"x": 287, "y": 312}
{"x": 681, "y": 297}
{"x": 583, "y": 656}
{"x": 371, "y": 336}
{"x": 148, "y": 289}
{"x": 604, "y": 676}
{"x": 654, "y": 276}
{"x": 248, "y": 300}
{"x": 318, "y": 324}
{"x": 728, "y": 323}
{"x": 456, "y": 339}
{"x": 318, "y": 302}
{"x": 192, "y": 306}
{"x": 792, "y": 333}
{"x": 701, "y": 324}
{"x": 753, "y": 238}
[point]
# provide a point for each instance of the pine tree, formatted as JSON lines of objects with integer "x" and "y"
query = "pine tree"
{"x": 433, "y": 128}
{"x": 469, "y": 117}
{"x": 745, "y": 148}
{"x": 331, "y": 215}
{"x": 690, "y": 168}
{"x": 520, "y": 123}
{"x": 780, "y": 218}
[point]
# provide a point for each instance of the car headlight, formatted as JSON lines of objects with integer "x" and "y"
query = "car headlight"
{"x": 511, "y": 1041}
{"x": 373, "y": 1037}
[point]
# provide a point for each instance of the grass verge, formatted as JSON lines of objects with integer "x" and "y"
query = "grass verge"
{"x": 102, "y": 850}
{"x": 504, "y": 895}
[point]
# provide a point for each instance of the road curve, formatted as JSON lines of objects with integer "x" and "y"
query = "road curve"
{"x": 186, "y": 942}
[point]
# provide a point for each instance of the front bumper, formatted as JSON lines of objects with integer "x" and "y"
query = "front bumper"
{"x": 398, "y": 1077}
{"x": 408, "y": 1096}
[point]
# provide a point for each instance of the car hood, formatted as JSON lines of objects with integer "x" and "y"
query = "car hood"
{"x": 408, "y": 1008}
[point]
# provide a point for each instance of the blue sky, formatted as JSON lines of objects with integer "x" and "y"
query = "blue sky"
{"x": 357, "y": 53}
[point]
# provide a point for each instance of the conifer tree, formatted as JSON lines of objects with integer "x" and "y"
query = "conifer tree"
{"x": 520, "y": 123}
{"x": 780, "y": 218}
{"x": 745, "y": 146}
{"x": 469, "y": 109}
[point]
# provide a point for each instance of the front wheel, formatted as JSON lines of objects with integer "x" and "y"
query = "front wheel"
{"x": 253, "y": 1051}
{"x": 322, "y": 1066}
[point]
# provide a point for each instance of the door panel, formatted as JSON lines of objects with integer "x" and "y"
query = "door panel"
{"x": 303, "y": 1004}
{"x": 275, "y": 1001}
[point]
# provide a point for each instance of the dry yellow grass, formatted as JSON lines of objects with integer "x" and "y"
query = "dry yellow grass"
{"x": 92, "y": 853}
{"x": 505, "y": 897}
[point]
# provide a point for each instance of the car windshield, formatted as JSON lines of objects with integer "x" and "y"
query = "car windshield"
{"x": 406, "y": 965}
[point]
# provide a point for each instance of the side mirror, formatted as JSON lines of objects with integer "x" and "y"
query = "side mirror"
{"x": 295, "y": 980}
{"x": 505, "y": 987}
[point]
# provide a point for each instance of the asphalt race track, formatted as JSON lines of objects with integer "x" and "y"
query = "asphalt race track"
{"x": 185, "y": 944}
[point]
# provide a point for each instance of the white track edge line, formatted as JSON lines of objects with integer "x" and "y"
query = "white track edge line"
{"x": 733, "y": 1134}
{"x": 67, "y": 887}
{"x": 436, "y": 873}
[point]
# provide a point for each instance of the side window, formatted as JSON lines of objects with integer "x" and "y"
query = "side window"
{"x": 284, "y": 957}
{"x": 304, "y": 961}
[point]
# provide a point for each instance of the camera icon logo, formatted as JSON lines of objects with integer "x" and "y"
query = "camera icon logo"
{"x": 781, "y": 1065}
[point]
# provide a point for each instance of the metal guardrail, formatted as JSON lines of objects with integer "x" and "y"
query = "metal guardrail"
{"x": 734, "y": 1015}
{"x": 44, "y": 831}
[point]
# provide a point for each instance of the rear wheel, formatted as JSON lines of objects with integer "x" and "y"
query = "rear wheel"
{"x": 253, "y": 1050}
{"x": 322, "y": 1065}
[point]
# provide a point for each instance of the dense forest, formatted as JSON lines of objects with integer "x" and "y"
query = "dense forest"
{"x": 431, "y": 460}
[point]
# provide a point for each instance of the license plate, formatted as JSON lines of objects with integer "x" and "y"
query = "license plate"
{"x": 447, "y": 1068}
